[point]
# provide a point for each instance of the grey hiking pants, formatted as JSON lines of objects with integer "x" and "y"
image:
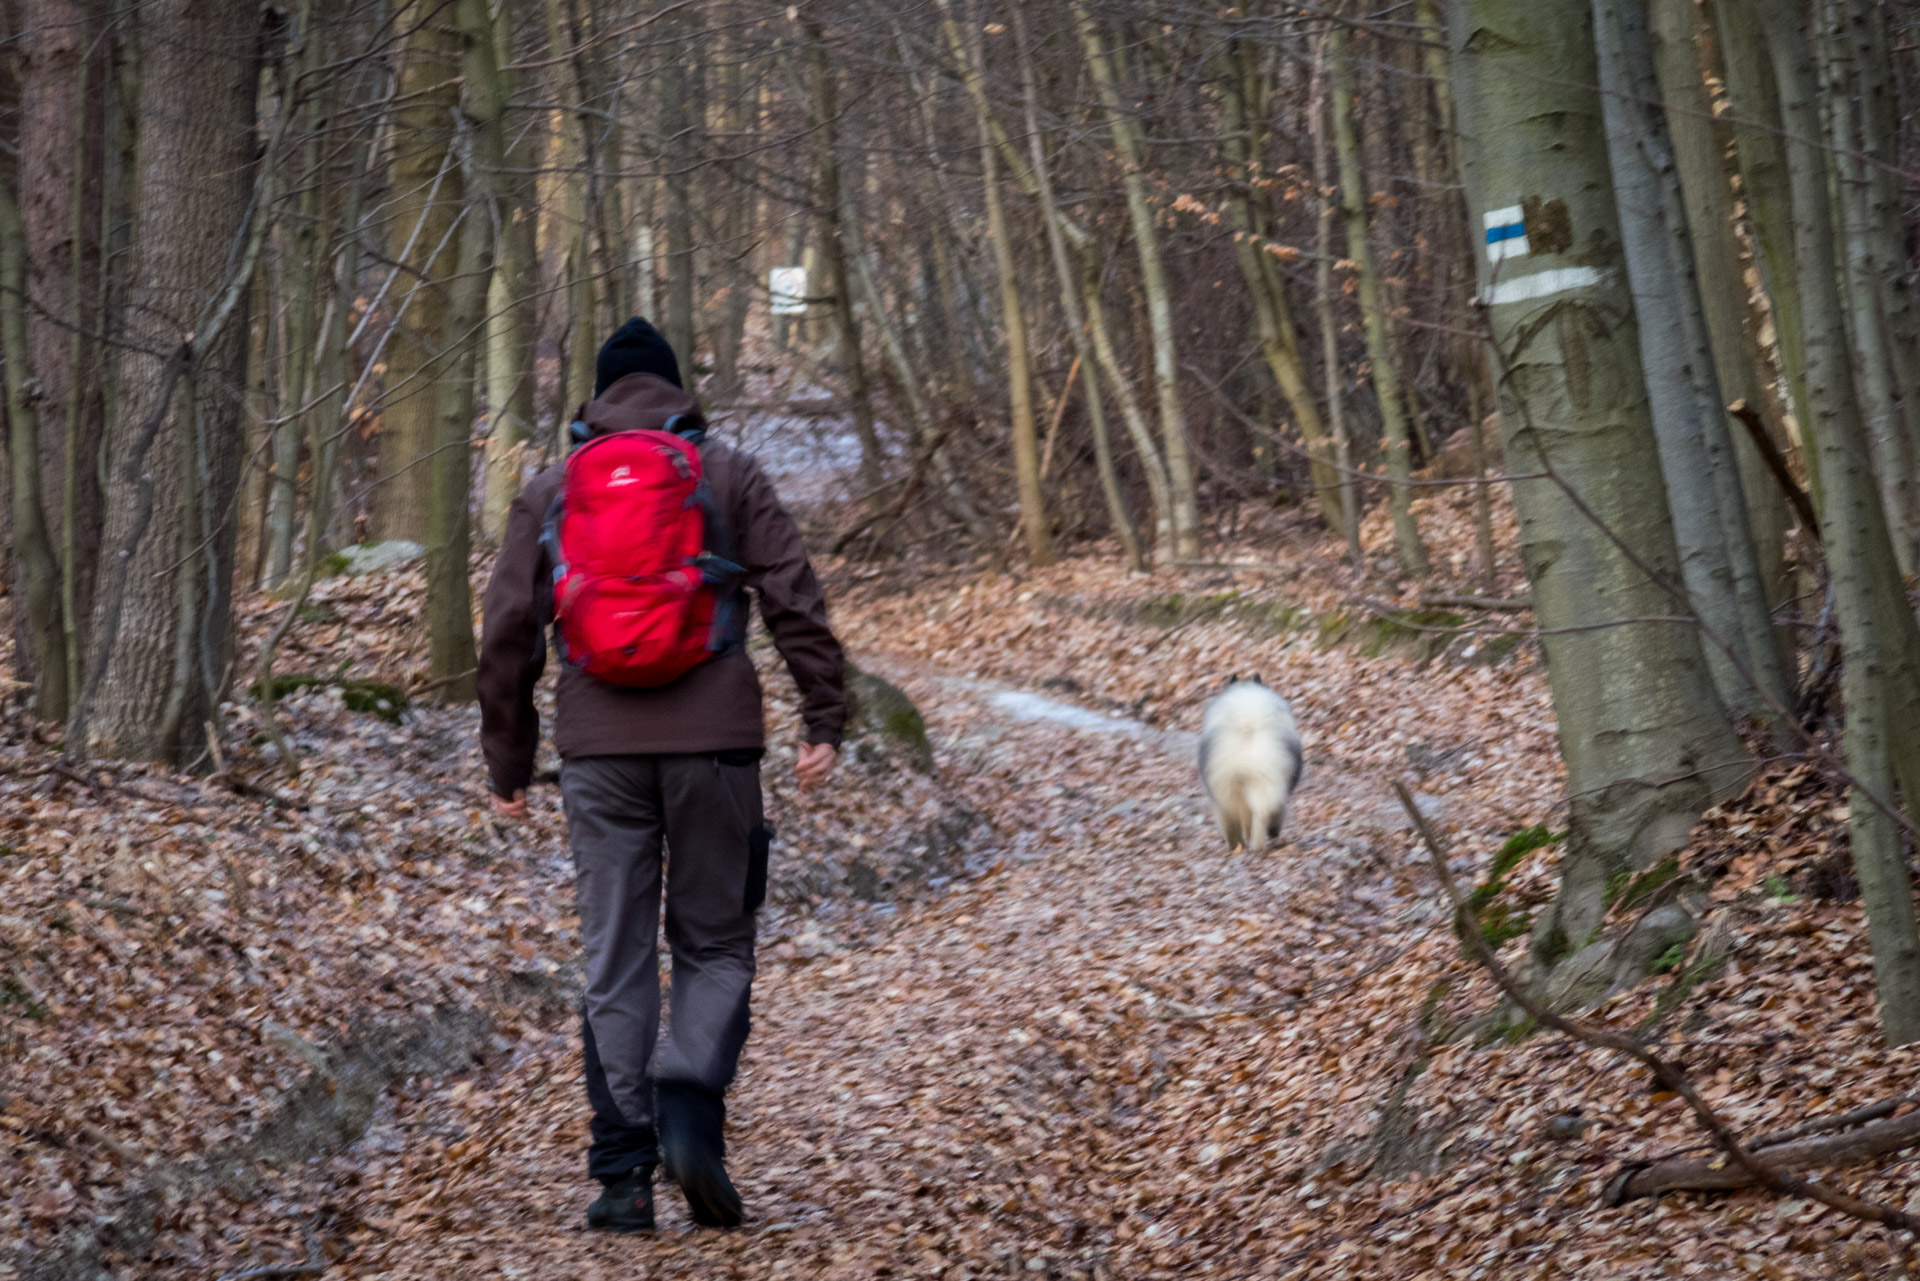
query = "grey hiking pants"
{"x": 623, "y": 813}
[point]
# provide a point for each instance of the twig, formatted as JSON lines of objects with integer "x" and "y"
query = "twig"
{"x": 105, "y": 785}
{"x": 313, "y": 1267}
{"x": 239, "y": 785}
{"x": 1669, "y": 1075}
{"x": 438, "y": 682}
{"x": 1505, "y": 604}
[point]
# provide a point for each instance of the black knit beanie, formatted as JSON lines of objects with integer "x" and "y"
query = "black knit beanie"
{"x": 635, "y": 348}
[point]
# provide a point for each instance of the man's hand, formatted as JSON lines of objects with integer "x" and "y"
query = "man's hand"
{"x": 816, "y": 762}
{"x": 514, "y": 809}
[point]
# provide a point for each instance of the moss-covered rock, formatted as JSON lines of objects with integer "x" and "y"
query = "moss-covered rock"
{"x": 881, "y": 708}
{"x": 388, "y": 702}
{"x": 291, "y": 683}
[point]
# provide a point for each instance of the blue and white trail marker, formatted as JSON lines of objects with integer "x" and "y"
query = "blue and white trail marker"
{"x": 1506, "y": 234}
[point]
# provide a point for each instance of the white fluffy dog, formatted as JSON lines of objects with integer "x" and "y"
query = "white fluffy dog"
{"x": 1249, "y": 762}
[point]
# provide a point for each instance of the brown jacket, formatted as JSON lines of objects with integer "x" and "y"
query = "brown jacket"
{"x": 714, "y": 707}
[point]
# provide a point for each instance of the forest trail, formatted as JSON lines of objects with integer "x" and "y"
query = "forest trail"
{"x": 991, "y": 1080}
{"x": 1024, "y": 1016}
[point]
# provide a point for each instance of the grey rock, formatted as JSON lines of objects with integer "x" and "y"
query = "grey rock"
{"x": 1659, "y": 930}
{"x": 377, "y": 558}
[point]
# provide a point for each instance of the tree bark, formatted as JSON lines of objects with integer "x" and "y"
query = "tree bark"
{"x": 1646, "y": 745}
{"x": 162, "y": 629}
{"x": 680, "y": 79}
{"x": 1411, "y": 552}
{"x": 513, "y": 293}
{"x": 39, "y": 572}
{"x": 1026, "y": 452}
{"x": 1856, "y": 78}
{"x": 1717, "y": 560}
{"x": 1118, "y": 517}
{"x": 1243, "y": 122}
{"x": 1153, "y": 281}
{"x": 1699, "y": 152}
{"x": 427, "y": 195}
{"x": 1878, "y": 632}
{"x": 1325, "y": 190}
{"x": 839, "y": 226}
{"x": 63, "y": 69}
{"x": 1764, "y": 185}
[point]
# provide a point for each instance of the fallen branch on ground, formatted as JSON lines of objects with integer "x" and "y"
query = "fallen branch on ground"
{"x": 438, "y": 682}
{"x": 1705, "y": 1174}
{"x": 1669, "y": 1075}
{"x": 313, "y": 1267}
{"x": 1503, "y": 604}
{"x": 240, "y": 785}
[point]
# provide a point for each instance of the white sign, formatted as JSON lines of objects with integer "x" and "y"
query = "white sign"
{"x": 788, "y": 285}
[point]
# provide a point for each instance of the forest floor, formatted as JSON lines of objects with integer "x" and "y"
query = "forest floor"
{"x": 1023, "y": 1015}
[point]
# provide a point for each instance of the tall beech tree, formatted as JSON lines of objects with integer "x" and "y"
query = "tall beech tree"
{"x": 1646, "y": 742}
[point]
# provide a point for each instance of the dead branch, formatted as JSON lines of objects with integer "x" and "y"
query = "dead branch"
{"x": 440, "y": 682}
{"x": 1716, "y": 1173}
{"x": 1777, "y": 464}
{"x": 240, "y": 785}
{"x": 106, "y": 785}
{"x": 1501, "y": 604}
{"x": 1669, "y": 1075}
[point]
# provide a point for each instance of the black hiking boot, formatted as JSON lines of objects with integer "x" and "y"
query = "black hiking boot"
{"x": 626, "y": 1205}
{"x": 694, "y": 1151}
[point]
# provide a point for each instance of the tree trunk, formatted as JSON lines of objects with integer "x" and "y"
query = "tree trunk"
{"x": 1117, "y": 514}
{"x": 680, "y": 79}
{"x": 569, "y": 229}
{"x": 1699, "y": 157}
{"x": 1398, "y": 430}
{"x": 1856, "y": 80}
{"x": 1646, "y": 745}
{"x": 1323, "y": 291}
{"x": 1878, "y": 631}
{"x": 63, "y": 69}
{"x": 1470, "y": 354}
{"x": 1765, "y": 186}
{"x": 451, "y": 657}
{"x": 1717, "y": 560}
{"x": 1026, "y": 452}
{"x": 1153, "y": 280}
{"x": 1243, "y": 121}
{"x": 162, "y": 628}
{"x": 512, "y": 295}
{"x": 839, "y": 224}
{"x": 39, "y": 573}
{"x": 427, "y": 194}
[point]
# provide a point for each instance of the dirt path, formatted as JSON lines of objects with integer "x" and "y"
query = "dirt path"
{"x": 1036, "y": 1074}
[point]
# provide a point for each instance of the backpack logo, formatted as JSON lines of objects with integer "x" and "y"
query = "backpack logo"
{"x": 622, "y": 476}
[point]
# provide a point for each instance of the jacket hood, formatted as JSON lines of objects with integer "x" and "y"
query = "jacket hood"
{"x": 641, "y": 402}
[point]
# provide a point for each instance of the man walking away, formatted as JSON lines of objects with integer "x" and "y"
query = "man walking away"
{"x": 641, "y": 550}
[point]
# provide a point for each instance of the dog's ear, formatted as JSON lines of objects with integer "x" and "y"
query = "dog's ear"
{"x": 1234, "y": 679}
{"x": 1255, "y": 678}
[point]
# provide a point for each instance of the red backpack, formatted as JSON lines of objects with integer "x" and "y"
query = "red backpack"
{"x": 639, "y": 596}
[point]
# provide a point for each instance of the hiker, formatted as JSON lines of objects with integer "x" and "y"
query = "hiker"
{"x": 660, "y": 731}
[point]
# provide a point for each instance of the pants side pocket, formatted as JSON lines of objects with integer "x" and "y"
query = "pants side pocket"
{"x": 759, "y": 846}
